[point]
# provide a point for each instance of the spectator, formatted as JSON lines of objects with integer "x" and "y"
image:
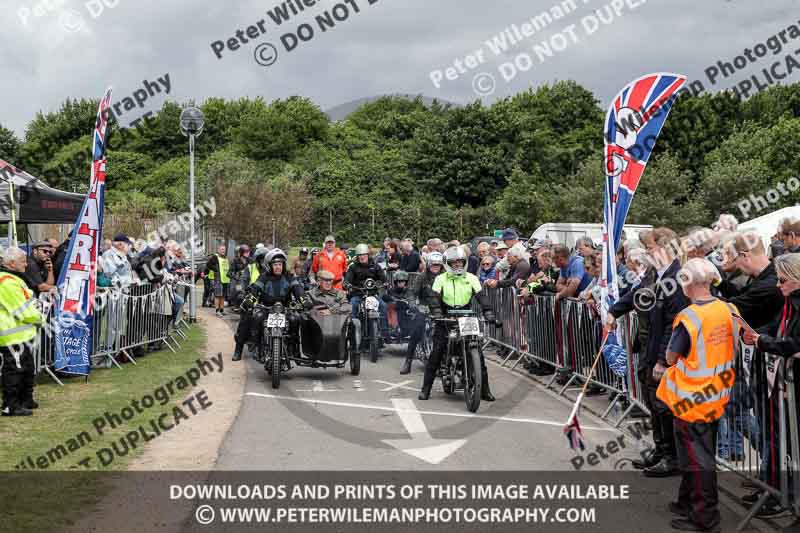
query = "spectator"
{"x": 115, "y": 264}
{"x": 790, "y": 235}
{"x": 493, "y": 247}
{"x": 382, "y": 257}
{"x": 59, "y": 255}
{"x": 520, "y": 269}
{"x": 584, "y": 246}
{"x": 473, "y": 261}
{"x": 106, "y": 246}
{"x": 19, "y": 320}
{"x": 572, "y": 278}
{"x": 733, "y": 279}
{"x": 726, "y": 223}
{"x": 700, "y": 356}
{"x": 410, "y": 258}
{"x": 657, "y": 301}
{"x": 483, "y": 250}
{"x": 40, "y": 271}
{"x": 331, "y": 259}
{"x": 592, "y": 265}
{"x": 488, "y": 271}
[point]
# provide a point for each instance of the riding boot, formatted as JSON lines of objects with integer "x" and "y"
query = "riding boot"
{"x": 486, "y": 392}
{"x": 237, "y": 352}
{"x": 427, "y": 385}
{"x": 406, "y": 369}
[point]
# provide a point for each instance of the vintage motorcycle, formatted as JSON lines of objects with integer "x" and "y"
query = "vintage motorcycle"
{"x": 461, "y": 365}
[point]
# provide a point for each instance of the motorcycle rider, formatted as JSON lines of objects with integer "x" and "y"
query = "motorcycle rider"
{"x": 454, "y": 289}
{"x": 274, "y": 285}
{"x": 359, "y": 271}
{"x": 412, "y": 322}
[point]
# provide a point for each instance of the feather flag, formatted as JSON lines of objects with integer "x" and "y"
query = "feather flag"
{"x": 77, "y": 279}
{"x": 633, "y": 123}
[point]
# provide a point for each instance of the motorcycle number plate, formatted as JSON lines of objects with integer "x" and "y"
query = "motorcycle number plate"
{"x": 469, "y": 325}
{"x": 276, "y": 320}
{"x": 372, "y": 304}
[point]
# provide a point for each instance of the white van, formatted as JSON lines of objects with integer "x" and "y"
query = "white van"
{"x": 567, "y": 233}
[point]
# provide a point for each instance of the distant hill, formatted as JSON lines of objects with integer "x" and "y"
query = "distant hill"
{"x": 342, "y": 111}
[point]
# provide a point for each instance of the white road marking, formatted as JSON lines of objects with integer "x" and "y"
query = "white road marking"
{"x": 318, "y": 387}
{"x": 358, "y": 385}
{"x": 421, "y": 445}
{"x": 392, "y": 386}
{"x": 435, "y": 413}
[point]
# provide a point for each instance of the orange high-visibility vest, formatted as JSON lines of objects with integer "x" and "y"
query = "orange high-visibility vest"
{"x": 697, "y": 387}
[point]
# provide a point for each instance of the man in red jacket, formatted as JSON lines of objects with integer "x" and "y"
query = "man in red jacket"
{"x": 332, "y": 259}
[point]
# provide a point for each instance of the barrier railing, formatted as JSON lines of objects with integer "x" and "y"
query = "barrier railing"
{"x": 758, "y": 437}
{"x": 124, "y": 319}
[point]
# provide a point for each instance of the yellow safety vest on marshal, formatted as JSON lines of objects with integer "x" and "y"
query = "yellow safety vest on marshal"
{"x": 19, "y": 315}
{"x": 253, "y": 272}
{"x": 697, "y": 387}
{"x": 223, "y": 269}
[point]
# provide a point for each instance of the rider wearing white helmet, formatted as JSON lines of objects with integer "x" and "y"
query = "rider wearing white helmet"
{"x": 454, "y": 289}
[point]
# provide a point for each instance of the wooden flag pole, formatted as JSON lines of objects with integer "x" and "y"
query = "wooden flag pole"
{"x": 588, "y": 378}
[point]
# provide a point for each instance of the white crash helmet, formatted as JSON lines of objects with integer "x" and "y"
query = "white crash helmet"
{"x": 453, "y": 254}
{"x": 275, "y": 255}
{"x": 435, "y": 258}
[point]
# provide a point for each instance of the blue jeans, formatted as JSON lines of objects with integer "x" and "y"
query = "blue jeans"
{"x": 730, "y": 440}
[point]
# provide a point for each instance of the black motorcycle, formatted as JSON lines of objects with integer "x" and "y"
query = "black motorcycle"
{"x": 461, "y": 365}
{"x": 276, "y": 339}
{"x": 370, "y": 317}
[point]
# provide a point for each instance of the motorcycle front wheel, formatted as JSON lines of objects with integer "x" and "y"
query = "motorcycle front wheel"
{"x": 473, "y": 378}
{"x": 276, "y": 362}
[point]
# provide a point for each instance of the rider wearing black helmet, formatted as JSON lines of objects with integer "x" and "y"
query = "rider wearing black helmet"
{"x": 412, "y": 322}
{"x": 454, "y": 289}
{"x": 275, "y": 284}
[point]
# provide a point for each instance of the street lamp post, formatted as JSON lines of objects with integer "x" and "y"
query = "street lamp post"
{"x": 192, "y": 122}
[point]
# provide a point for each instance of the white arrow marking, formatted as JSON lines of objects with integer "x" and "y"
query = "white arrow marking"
{"x": 421, "y": 445}
{"x": 317, "y": 387}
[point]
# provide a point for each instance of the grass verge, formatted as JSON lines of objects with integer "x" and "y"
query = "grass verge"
{"x": 44, "y": 501}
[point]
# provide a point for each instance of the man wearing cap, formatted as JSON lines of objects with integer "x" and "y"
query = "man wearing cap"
{"x": 40, "y": 268}
{"x": 325, "y": 298}
{"x": 115, "y": 263}
{"x": 218, "y": 273}
{"x": 331, "y": 259}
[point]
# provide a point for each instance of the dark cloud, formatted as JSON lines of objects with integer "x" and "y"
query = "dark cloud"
{"x": 390, "y": 47}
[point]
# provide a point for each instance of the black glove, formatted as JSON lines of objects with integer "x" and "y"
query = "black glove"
{"x": 249, "y": 302}
{"x": 308, "y": 305}
{"x": 488, "y": 315}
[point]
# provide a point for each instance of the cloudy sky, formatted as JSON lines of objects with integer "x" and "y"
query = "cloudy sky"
{"x": 54, "y": 49}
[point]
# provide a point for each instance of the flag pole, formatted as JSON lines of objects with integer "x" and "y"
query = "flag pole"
{"x": 588, "y": 379}
{"x": 13, "y": 224}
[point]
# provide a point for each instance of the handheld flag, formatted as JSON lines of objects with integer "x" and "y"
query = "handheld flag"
{"x": 633, "y": 123}
{"x": 77, "y": 279}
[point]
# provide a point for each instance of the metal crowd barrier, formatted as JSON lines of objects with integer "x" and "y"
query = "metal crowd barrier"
{"x": 123, "y": 320}
{"x": 758, "y": 436}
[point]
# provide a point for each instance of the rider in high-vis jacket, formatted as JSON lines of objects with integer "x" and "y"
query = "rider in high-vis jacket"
{"x": 454, "y": 289}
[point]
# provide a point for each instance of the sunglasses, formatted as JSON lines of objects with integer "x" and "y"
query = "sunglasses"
{"x": 487, "y": 264}
{"x": 47, "y": 252}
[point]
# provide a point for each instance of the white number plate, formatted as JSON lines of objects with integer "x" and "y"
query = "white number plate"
{"x": 276, "y": 320}
{"x": 372, "y": 303}
{"x": 469, "y": 325}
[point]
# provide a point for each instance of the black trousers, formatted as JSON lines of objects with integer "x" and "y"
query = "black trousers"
{"x": 249, "y": 328}
{"x": 17, "y": 380}
{"x": 697, "y": 447}
{"x": 413, "y": 326}
{"x": 438, "y": 352}
{"x": 661, "y": 417}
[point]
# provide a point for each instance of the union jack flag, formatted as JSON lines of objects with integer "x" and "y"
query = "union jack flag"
{"x": 633, "y": 123}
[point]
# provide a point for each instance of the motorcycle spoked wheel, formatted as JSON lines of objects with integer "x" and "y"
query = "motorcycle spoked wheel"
{"x": 473, "y": 379}
{"x": 276, "y": 362}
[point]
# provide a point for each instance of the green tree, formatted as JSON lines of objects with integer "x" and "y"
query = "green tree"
{"x": 9, "y": 145}
{"x": 280, "y": 130}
